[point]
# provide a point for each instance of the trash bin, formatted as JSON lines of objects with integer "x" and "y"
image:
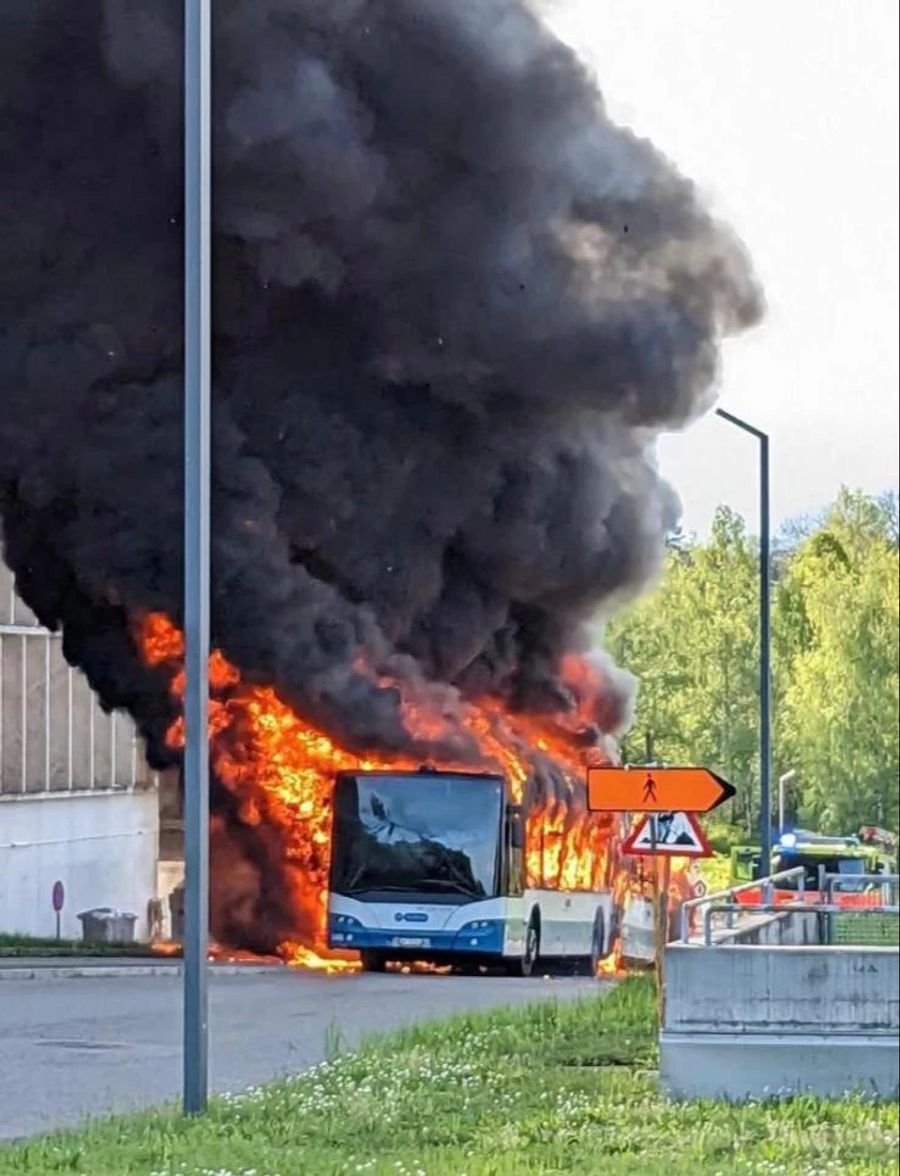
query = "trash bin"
{"x": 106, "y": 925}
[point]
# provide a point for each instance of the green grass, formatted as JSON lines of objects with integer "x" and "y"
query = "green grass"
{"x": 18, "y": 946}
{"x": 557, "y": 1088}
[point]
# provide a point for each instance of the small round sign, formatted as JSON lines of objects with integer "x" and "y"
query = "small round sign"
{"x": 59, "y": 896}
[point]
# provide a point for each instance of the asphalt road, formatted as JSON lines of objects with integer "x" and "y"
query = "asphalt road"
{"x": 77, "y": 1047}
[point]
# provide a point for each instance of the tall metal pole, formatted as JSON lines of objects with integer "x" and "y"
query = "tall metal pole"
{"x": 765, "y": 644}
{"x": 765, "y": 662}
{"x": 197, "y": 344}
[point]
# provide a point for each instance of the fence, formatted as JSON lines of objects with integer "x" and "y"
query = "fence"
{"x": 876, "y": 892}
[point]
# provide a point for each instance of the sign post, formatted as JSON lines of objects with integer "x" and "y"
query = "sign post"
{"x": 658, "y": 935}
{"x": 661, "y": 928}
{"x": 58, "y": 898}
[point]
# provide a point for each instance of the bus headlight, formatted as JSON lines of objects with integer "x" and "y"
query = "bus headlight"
{"x": 342, "y": 927}
{"x": 485, "y": 935}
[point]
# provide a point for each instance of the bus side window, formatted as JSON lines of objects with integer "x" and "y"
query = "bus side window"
{"x": 515, "y": 851}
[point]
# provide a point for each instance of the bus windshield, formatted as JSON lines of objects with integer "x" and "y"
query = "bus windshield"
{"x": 432, "y": 833}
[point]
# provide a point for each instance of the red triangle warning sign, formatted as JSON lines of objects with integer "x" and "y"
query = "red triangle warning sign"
{"x": 672, "y": 834}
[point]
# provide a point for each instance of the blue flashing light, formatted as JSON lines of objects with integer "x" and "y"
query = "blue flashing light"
{"x": 788, "y": 840}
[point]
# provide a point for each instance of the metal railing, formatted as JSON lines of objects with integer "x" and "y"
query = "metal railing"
{"x": 824, "y": 912}
{"x": 887, "y": 884}
{"x": 725, "y": 897}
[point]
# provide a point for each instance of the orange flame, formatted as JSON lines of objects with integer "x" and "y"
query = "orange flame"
{"x": 280, "y": 769}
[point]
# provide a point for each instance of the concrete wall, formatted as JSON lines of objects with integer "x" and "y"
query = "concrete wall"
{"x": 78, "y": 803}
{"x": 751, "y": 1020}
{"x": 790, "y": 989}
{"x": 103, "y": 847}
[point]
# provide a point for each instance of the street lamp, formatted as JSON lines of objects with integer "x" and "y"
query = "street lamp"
{"x": 765, "y": 644}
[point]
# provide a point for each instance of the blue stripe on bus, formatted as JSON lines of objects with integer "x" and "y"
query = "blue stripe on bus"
{"x": 482, "y": 935}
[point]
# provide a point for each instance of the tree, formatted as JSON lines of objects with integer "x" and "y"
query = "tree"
{"x": 693, "y": 644}
{"x": 841, "y": 702}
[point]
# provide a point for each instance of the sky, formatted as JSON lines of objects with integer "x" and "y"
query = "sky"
{"x": 784, "y": 113}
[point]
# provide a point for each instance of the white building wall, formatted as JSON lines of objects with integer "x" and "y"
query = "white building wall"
{"x": 78, "y": 803}
{"x": 103, "y": 847}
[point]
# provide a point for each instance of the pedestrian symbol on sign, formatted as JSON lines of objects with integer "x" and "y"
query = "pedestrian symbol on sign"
{"x": 650, "y": 791}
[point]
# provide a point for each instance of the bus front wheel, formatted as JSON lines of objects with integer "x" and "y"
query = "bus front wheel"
{"x": 524, "y": 966}
{"x": 373, "y": 961}
{"x": 598, "y": 942}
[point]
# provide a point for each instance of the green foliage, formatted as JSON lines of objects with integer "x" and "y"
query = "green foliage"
{"x": 555, "y": 1088}
{"x": 722, "y": 837}
{"x": 841, "y": 699}
{"x": 693, "y": 644}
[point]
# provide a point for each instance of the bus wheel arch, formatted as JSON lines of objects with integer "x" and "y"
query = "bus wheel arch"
{"x": 532, "y": 939}
{"x": 524, "y": 965}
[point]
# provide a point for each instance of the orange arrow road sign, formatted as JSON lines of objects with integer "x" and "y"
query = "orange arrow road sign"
{"x": 655, "y": 790}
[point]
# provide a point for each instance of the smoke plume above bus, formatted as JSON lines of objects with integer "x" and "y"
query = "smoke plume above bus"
{"x": 455, "y": 305}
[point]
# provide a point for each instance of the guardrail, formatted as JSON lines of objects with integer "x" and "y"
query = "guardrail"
{"x": 828, "y": 883}
{"x": 726, "y": 896}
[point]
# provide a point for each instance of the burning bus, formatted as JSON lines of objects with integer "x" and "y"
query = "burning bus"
{"x": 429, "y": 865}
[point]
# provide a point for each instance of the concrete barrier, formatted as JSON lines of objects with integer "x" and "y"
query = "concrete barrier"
{"x": 750, "y": 1020}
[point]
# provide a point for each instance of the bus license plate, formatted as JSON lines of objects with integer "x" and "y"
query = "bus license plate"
{"x": 405, "y": 942}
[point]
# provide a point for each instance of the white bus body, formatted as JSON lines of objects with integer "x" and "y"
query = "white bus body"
{"x": 570, "y": 925}
{"x": 429, "y": 866}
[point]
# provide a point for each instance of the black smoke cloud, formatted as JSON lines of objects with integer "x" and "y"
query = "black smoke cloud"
{"x": 454, "y": 306}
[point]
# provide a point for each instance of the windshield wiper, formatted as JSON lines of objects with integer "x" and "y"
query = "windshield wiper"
{"x": 450, "y": 884}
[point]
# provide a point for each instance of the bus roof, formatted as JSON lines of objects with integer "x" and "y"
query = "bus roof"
{"x": 422, "y": 773}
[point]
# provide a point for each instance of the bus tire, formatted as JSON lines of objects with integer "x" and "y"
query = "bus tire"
{"x": 598, "y": 942}
{"x": 373, "y": 961}
{"x": 525, "y": 964}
